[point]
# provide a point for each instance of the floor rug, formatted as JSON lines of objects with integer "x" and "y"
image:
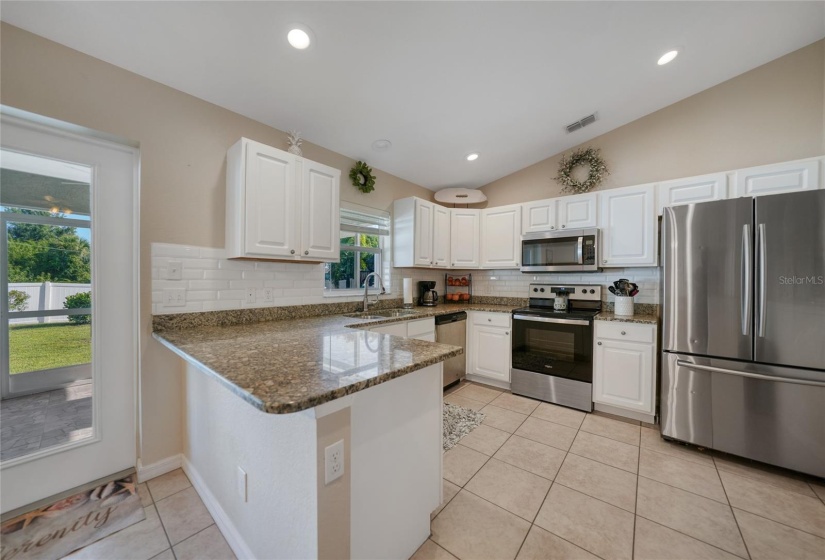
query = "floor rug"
{"x": 55, "y": 530}
{"x": 458, "y": 422}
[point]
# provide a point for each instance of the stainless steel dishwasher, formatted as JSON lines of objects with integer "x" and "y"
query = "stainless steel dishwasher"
{"x": 452, "y": 329}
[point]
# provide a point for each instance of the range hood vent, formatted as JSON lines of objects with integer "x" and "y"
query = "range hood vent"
{"x": 573, "y": 127}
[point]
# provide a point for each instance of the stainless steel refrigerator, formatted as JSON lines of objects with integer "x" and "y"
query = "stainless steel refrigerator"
{"x": 743, "y": 363}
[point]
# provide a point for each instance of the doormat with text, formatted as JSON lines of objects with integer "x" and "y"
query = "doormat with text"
{"x": 54, "y": 531}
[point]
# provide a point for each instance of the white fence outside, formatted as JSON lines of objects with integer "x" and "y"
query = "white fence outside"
{"x": 45, "y": 296}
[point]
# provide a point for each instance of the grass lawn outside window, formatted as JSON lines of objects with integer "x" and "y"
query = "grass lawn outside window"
{"x": 46, "y": 346}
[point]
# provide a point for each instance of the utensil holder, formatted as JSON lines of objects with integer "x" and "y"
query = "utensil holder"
{"x": 623, "y": 306}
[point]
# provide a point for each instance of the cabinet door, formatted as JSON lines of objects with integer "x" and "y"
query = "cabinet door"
{"x": 778, "y": 178}
{"x": 395, "y": 329}
{"x": 320, "y": 214}
{"x": 628, "y": 222}
{"x": 623, "y": 375}
{"x": 272, "y": 202}
{"x": 501, "y": 237}
{"x": 577, "y": 211}
{"x": 490, "y": 349}
{"x": 423, "y": 233}
{"x": 692, "y": 189}
{"x": 465, "y": 231}
{"x": 539, "y": 215}
{"x": 441, "y": 236}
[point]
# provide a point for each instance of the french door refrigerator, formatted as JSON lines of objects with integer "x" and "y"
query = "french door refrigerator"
{"x": 743, "y": 363}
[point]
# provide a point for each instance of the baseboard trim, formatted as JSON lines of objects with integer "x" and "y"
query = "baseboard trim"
{"x": 618, "y": 411}
{"x": 481, "y": 380}
{"x": 148, "y": 472}
{"x": 227, "y": 528}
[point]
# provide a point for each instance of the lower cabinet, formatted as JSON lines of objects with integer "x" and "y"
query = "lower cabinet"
{"x": 488, "y": 345}
{"x": 420, "y": 329}
{"x": 624, "y": 368}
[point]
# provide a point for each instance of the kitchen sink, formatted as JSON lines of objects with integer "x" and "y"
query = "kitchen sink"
{"x": 387, "y": 314}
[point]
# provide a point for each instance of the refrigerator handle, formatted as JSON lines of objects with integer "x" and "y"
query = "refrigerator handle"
{"x": 745, "y": 302}
{"x": 762, "y": 272}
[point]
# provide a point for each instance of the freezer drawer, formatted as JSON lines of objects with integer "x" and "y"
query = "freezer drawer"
{"x": 769, "y": 414}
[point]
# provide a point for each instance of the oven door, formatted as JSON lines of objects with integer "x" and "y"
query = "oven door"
{"x": 557, "y": 252}
{"x": 555, "y": 346}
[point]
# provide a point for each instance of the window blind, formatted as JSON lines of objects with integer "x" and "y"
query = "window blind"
{"x": 366, "y": 220}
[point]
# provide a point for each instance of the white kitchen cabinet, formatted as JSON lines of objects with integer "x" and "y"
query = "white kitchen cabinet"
{"x": 566, "y": 212}
{"x": 488, "y": 346}
{"x": 465, "y": 238}
{"x": 419, "y": 329}
{"x": 441, "y": 236}
{"x": 538, "y": 216}
{"x": 501, "y": 237}
{"x": 628, "y": 223}
{"x": 692, "y": 189}
{"x": 280, "y": 206}
{"x": 791, "y": 176}
{"x": 624, "y": 376}
{"x": 421, "y": 234}
{"x": 579, "y": 211}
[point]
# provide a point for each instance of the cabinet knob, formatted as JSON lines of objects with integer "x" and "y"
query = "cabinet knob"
{"x": 552, "y": 227}
{"x": 292, "y": 252}
{"x": 507, "y": 333}
{"x": 306, "y": 252}
{"x": 605, "y": 261}
{"x": 489, "y": 320}
{"x": 623, "y": 333}
{"x": 563, "y": 226}
{"x": 599, "y": 343}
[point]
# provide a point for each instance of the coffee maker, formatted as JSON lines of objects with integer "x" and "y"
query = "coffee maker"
{"x": 427, "y": 295}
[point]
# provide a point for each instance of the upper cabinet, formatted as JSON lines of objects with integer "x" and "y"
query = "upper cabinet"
{"x": 566, "y": 212}
{"x": 627, "y": 219}
{"x": 777, "y": 178}
{"x": 280, "y": 206}
{"x": 501, "y": 237}
{"x": 465, "y": 234}
{"x": 577, "y": 211}
{"x": 692, "y": 189}
{"x": 421, "y": 233}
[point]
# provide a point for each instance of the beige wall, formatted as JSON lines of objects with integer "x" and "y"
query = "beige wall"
{"x": 773, "y": 113}
{"x": 183, "y": 142}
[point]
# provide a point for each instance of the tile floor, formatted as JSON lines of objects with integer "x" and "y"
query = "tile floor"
{"x": 177, "y": 526}
{"x": 34, "y": 422}
{"x": 541, "y": 481}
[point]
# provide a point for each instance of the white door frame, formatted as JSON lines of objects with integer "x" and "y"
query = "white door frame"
{"x": 115, "y": 244}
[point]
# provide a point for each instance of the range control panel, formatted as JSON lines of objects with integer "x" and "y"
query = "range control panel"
{"x": 582, "y": 292}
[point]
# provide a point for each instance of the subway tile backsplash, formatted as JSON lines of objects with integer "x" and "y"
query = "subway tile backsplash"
{"x": 212, "y": 282}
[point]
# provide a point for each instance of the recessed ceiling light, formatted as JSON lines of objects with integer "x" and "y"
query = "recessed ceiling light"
{"x": 298, "y": 38}
{"x": 667, "y": 57}
{"x": 381, "y": 145}
{"x": 472, "y": 157}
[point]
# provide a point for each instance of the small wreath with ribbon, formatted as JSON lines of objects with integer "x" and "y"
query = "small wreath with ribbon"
{"x": 584, "y": 156}
{"x": 362, "y": 177}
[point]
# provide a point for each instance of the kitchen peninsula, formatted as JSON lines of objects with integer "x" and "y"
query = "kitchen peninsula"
{"x": 265, "y": 401}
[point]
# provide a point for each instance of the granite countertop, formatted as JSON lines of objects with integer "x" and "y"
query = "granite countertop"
{"x": 638, "y": 318}
{"x": 292, "y": 365}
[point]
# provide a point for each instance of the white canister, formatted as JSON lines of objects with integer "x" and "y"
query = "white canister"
{"x": 624, "y": 306}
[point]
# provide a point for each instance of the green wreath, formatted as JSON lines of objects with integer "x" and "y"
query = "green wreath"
{"x": 589, "y": 156}
{"x": 362, "y": 177}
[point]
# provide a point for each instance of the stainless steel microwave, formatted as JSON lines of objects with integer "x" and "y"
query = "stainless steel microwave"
{"x": 574, "y": 250}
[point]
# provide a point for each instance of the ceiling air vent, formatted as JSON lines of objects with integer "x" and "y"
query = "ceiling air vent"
{"x": 573, "y": 127}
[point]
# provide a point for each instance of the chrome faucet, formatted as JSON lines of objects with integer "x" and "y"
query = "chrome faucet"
{"x": 367, "y": 286}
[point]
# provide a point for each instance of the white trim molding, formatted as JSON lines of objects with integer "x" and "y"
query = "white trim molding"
{"x": 225, "y": 525}
{"x": 153, "y": 470}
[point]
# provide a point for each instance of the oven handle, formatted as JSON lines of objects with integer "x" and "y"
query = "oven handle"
{"x": 549, "y": 320}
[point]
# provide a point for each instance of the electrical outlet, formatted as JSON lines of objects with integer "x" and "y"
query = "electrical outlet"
{"x": 250, "y": 295}
{"x": 243, "y": 489}
{"x": 174, "y": 298}
{"x": 334, "y": 461}
{"x": 174, "y": 270}
{"x": 267, "y": 294}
